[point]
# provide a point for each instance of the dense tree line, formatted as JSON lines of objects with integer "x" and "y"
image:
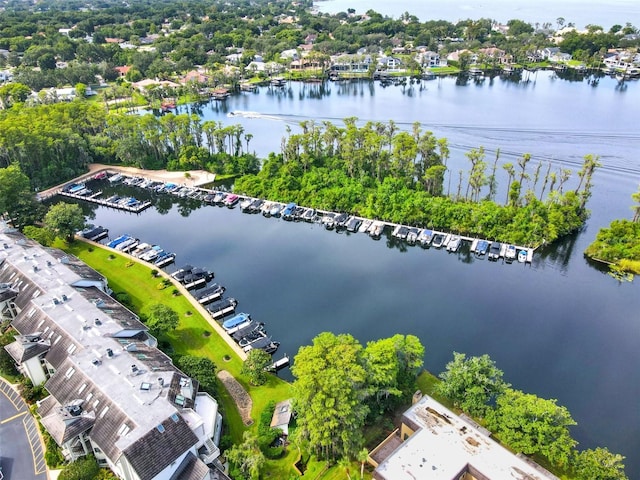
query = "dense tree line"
{"x": 620, "y": 243}
{"x": 54, "y": 143}
{"x": 381, "y": 172}
{"x": 524, "y": 422}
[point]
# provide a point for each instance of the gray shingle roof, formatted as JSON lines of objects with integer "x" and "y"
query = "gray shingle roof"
{"x": 191, "y": 468}
{"x": 22, "y": 350}
{"x": 160, "y": 446}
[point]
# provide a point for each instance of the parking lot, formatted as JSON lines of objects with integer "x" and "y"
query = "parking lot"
{"x": 21, "y": 450}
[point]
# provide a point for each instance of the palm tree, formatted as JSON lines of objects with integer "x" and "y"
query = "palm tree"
{"x": 636, "y": 208}
{"x": 511, "y": 172}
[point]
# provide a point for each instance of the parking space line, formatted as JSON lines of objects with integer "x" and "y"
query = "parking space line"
{"x": 7, "y": 420}
{"x": 35, "y": 445}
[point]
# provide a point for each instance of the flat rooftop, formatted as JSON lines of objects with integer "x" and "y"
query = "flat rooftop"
{"x": 444, "y": 446}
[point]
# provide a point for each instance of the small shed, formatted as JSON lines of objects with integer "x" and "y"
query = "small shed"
{"x": 282, "y": 416}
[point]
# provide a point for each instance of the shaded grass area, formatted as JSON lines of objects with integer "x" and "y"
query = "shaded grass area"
{"x": 191, "y": 337}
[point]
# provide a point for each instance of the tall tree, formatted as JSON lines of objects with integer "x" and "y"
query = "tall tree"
{"x": 636, "y": 208}
{"x": 600, "y": 464}
{"x": 64, "y": 220}
{"x": 472, "y": 383}
{"x": 247, "y": 457}
{"x": 508, "y": 167}
{"x": 329, "y": 390}
{"x": 162, "y": 319}
{"x": 202, "y": 369}
{"x": 254, "y": 366}
{"x": 533, "y": 425}
{"x": 16, "y": 198}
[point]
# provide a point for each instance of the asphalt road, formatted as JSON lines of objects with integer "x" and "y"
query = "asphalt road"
{"x": 21, "y": 450}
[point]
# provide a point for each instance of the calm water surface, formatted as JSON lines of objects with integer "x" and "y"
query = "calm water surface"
{"x": 559, "y": 328}
{"x": 579, "y": 12}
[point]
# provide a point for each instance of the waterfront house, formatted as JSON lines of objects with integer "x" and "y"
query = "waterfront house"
{"x": 428, "y": 58}
{"x": 435, "y": 443}
{"x": 390, "y": 63}
{"x": 351, "y": 63}
{"x": 112, "y": 393}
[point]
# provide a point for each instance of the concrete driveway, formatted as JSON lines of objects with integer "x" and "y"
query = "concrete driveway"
{"x": 21, "y": 450}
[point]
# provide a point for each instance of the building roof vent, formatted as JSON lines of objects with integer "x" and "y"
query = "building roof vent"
{"x": 109, "y": 353}
{"x": 134, "y": 369}
{"x": 97, "y": 362}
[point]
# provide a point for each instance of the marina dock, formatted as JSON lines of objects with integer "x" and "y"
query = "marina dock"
{"x": 95, "y": 198}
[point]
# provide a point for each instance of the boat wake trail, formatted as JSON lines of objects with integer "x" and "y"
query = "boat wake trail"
{"x": 247, "y": 114}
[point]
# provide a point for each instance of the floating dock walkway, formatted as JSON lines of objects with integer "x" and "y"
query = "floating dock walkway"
{"x": 135, "y": 208}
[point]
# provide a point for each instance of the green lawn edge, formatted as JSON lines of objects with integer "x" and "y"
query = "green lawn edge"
{"x": 136, "y": 280}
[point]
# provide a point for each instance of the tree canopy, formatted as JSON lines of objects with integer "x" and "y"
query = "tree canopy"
{"x": 202, "y": 369}
{"x": 339, "y": 384}
{"x": 472, "y": 383}
{"x": 247, "y": 458}
{"x": 17, "y": 200}
{"x": 161, "y": 319}
{"x": 533, "y": 425}
{"x": 254, "y": 366}
{"x": 64, "y": 220}
{"x": 600, "y": 464}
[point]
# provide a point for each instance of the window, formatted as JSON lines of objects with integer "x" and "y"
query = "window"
{"x": 70, "y": 372}
{"x": 95, "y": 404}
{"x": 123, "y": 430}
{"x": 82, "y": 387}
{"x": 104, "y": 411}
{"x": 71, "y": 349}
{"x": 90, "y": 396}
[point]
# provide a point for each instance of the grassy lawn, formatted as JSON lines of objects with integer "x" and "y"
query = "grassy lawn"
{"x": 194, "y": 336}
{"x": 444, "y": 70}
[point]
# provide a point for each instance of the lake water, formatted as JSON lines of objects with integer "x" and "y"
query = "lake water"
{"x": 579, "y": 12}
{"x": 559, "y": 328}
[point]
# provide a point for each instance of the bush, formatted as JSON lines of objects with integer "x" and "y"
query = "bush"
{"x": 86, "y": 468}
{"x": 53, "y": 455}
{"x": 31, "y": 393}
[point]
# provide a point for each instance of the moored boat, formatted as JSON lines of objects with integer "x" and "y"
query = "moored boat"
{"x": 376, "y": 229}
{"x": 244, "y": 331}
{"x": 265, "y": 344}
{"x": 412, "y": 236}
{"x": 494, "y": 251}
{"x": 425, "y": 237}
{"x": 454, "y": 243}
{"x": 222, "y": 307}
{"x": 365, "y": 225}
{"x": 352, "y": 224}
{"x": 114, "y": 243}
{"x": 231, "y": 200}
{"x": 210, "y": 293}
{"x": 522, "y": 256}
{"x": 510, "y": 253}
{"x": 164, "y": 259}
{"x": 438, "y": 240}
{"x": 236, "y": 322}
{"x": 482, "y": 247}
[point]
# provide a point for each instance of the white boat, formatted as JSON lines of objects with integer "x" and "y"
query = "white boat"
{"x": 522, "y": 256}
{"x": 454, "y": 243}
{"x": 510, "y": 254}
{"x": 376, "y": 229}
{"x": 365, "y": 225}
{"x": 115, "y": 178}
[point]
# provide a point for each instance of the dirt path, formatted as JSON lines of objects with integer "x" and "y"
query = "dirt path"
{"x": 239, "y": 394}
